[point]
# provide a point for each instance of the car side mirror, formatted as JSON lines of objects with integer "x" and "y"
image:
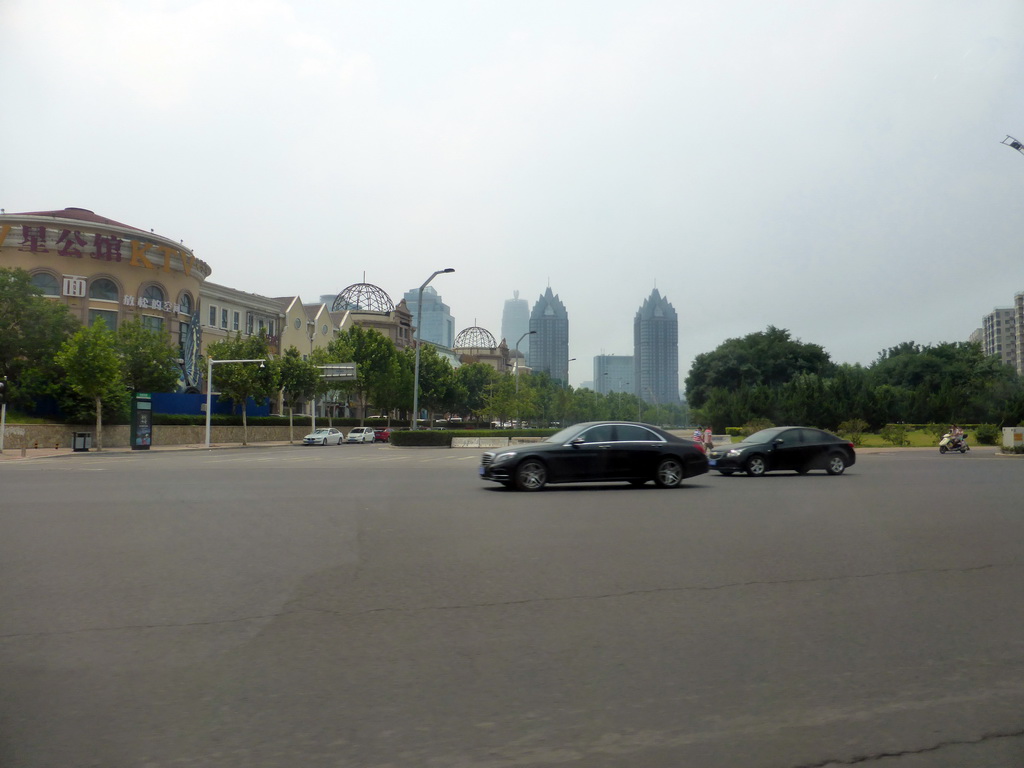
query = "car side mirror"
{"x": 576, "y": 442}
{"x": 778, "y": 441}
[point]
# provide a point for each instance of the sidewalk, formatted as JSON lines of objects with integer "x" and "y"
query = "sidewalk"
{"x": 20, "y": 454}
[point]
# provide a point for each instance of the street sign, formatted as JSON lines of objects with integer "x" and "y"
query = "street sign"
{"x": 338, "y": 372}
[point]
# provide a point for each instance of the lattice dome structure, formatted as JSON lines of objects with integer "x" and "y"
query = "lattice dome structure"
{"x": 475, "y": 338}
{"x": 363, "y": 297}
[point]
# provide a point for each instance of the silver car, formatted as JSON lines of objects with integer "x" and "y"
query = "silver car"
{"x": 360, "y": 435}
{"x": 324, "y": 436}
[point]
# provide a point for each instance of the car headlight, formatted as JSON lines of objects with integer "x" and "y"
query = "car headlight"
{"x": 734, "y": 453}
{"x": 501, "y": 457}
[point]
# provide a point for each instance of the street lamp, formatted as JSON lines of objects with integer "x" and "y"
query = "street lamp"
{"x": 416, "y": 375}
{"x": 528, "y": 333}
{"x": 210, "y": 362}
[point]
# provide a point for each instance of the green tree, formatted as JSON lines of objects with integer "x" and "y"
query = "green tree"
{"x": 148, "y": 362}
{"x": 32, "y": 329}
{"x": 93, "y": 368}
{"x": 298, "y": 379}
{"x": 379, "y": 374}
{"x": 238, "y": 382}
{"x": 474, "y": 379}
{"x": 770, "y": 357}
{"x": 439, "y": 388}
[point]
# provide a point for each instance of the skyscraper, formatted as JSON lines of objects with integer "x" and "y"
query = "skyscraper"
{"x": 438, "y": 323}
{"x": 656, "y": 351}
{"x": 549, "y": 348}
{"x": 515, "y": 321}
{"x": 613, "y": 373}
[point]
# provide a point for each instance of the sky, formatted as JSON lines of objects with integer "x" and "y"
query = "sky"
{"x": 831, "y": 168}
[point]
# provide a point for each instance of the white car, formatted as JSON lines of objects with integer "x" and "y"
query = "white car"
{"x": 360, "y": 435}
{"x": 324, "y": 436}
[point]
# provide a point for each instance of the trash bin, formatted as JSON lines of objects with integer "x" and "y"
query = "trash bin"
{"x": 81, "y": 441}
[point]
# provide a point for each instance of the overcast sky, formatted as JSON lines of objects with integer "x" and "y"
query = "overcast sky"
{"x": 833, "y": 168}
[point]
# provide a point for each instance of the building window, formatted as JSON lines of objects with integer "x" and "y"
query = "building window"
{"x": 186, "y": 304}
{"x": 235, "y": 321}
{"x": 103, "y": 289}
{"x": 154, "y": 296}
{"x": 46, "y": 283}
{"x": 213, "y": 316}
{"x": 223, "y": 318}
{"x": 248, "y": 323}
{"x": 109, "y": 318}
{"x": 152, "y": 323}
{"x": 270, "y": 327}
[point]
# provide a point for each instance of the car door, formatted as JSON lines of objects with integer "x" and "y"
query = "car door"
{"x": 787, "y": 450}
{"x": 635, "y": 452}
{"x": 588, "y": 456}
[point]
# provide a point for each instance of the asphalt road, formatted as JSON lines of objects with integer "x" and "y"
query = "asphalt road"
{"x": 379, "y": 607}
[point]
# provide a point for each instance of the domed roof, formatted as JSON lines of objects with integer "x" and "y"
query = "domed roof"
{"x": 363, "y": 297}
{"x": 475, "y": 338}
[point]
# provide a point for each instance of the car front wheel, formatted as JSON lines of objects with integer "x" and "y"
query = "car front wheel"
{"x": 669, "y": 473}
{"x": 836, "y": 464}
{"x": 756, "y": 466}
{"x": 531, "y": 475}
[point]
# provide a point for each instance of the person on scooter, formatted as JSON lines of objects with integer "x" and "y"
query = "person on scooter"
{"x": 956, "y": 436}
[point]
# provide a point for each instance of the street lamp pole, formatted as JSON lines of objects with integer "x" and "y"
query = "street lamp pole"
{"x": 311, "y": 332}
{"x": 528, "y": 333}
{"x": 416, "y": 375}
{"x": 210, "y": 362}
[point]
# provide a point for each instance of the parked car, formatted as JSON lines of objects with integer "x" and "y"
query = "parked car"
{"x": 798, "y": 449}
{"x": 324, "y": 436}
{"x": 597, "y": 451}
{"x": 360, "y": 435}
{"x": 381, "y": 434}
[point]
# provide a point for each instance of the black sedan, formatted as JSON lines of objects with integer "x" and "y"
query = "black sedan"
{"x": 799, "y": 449}
{"x": 597, "y": 451}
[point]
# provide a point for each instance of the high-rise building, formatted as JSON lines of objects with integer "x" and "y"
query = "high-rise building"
{"x": 656, "y": 351}
{"x": 438, "y": 323}
{"x": 613, "y": 373}
{"x": 515, "y": 321}
{"x": 549, "y": 348}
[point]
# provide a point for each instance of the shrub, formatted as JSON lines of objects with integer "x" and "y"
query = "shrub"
{"x": 936, "y": 429}
{"x": 987, "y": 434}
{"x": 755, "y": 425}
{"x": 895, "y": 434}
{"x": 422, "y": 437}
{"x": 853, "y": 430}
{"x": 734, "y": 431}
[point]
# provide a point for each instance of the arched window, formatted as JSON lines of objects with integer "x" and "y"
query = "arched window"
{"x": 155, "y": 294}
{"x": 186, "y": 304}
{"x": 46, "y": 283}
{"x": 104, "y": 290}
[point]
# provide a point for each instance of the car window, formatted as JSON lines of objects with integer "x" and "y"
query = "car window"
{"x": 812, "y": 436}
{"x": 790, "y": 437}
{"x": 632, "y": 433}
{"x": 602, "y": 433}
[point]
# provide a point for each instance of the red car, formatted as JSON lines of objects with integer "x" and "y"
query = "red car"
{"x": 381, "y": 434}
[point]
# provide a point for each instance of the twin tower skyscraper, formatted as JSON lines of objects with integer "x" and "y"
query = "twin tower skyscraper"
{"x": 653, "y": 375}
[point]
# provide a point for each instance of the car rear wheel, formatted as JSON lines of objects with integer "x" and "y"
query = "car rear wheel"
{"x": 669, "y": 473}
{"x": 531, "y": 475}
{"x": 756, "y": 466}
{"x": 836, "y": 464}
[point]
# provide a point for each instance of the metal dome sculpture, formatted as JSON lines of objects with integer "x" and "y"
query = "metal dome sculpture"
{"x": 475, "y": 338}
{"x": 363, "y": 297}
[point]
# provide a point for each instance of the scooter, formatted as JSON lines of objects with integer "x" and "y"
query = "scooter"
{"x": 949, "y": 443}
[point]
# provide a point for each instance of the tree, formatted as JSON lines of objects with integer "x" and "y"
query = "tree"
{"x": 31, "y": 331}
{"x": 92, "y": 368}
{"x": 374, "y": 355}
{"x": 439, "y": 390}
{"x": 474, "y": 379}
{"x": 769, "y": 357}
{"x": 299, "y": 379}
{"x": 238, "y": 382}
{"x": 148, "y": 362}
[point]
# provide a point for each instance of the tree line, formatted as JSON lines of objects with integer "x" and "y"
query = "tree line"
{"x": 768, "y": 375}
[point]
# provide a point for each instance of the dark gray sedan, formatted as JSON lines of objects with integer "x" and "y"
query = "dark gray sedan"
{"x": 798, "y": 449}
{"x": 597, "y": 451}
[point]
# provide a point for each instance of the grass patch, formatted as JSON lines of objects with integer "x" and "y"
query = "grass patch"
{"x": 918, "y": 438}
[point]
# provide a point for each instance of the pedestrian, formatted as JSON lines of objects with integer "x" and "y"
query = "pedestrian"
{"x": 708, "y": 443}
